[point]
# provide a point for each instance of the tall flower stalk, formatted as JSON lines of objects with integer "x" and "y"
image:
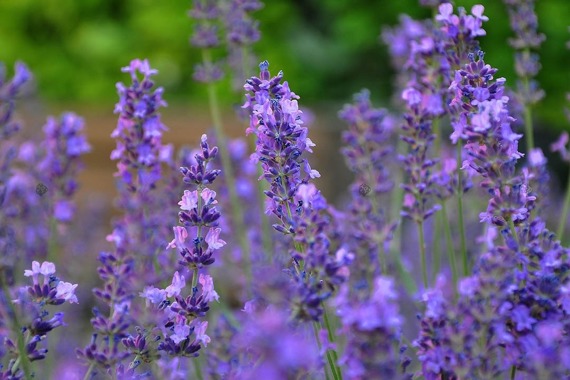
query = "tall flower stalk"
{"x": 293, "y": 199}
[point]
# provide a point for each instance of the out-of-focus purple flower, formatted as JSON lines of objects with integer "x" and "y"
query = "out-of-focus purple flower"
{"x": 273, "y": 348}
{"x": 560, "y": 146}
{"x": 371, "y": 323}
{"x": 9, "y": 90}
{"x": 64, "y": 143}
{"x": 367, "y": 153}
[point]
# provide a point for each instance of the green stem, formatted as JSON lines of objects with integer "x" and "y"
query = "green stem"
{"x": 396, "y": 243}
{"x": 449, "y": 245}
{"x": 331, "y": 339}
{"x": 237, "y": 212}
{"x": 330, "y": 359}
{"x": 564, "y": 215}
{"x": 198, "y": 369}
{"x": 464, "y": 257}
{"x": 266, "y": 229}
{"x": 513, "y": 372}
{"x": 436, "y": 245}
{"x": 527, "y": 111}
{"x": 23, "y": 361}
{"x": 89, "y": 370}
{"x": 423, "y": 253}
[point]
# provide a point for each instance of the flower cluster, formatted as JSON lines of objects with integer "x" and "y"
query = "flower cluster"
{"x": 30, "y": 316}
{"x": 299, "y": 206}
{"x": 182, "y": 318}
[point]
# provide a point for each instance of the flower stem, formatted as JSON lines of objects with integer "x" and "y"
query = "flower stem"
{"x": 527, "y": 111}
{"x": 198, "y": 368}
{"x": 564, "y": 214}
{"x": 423, "y": 253}
{"x": 237, "y": 212}
{"x": 449, "y": 245}
{"x": 331, "y": 339}
{"x": 89, "y": 370}
{"x": 330, "y": 359}
{"x": 460, "y": 210}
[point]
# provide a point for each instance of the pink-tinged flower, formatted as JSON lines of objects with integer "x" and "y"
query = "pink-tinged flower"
{"x": 181, "y": 333}
{"x": 560, "y": 146}
{"x": 445, "y": 10}
{"x": 66, "y": 291}
{"x": 178, "y": 282}
{"x": 213, "y": 239}
{"x": 208, "y": 288}
{"x": 154, "y": 295}
{"x": 46, "y": 269}
{"x": 306, "y": 192}
{"x": 180, "y": 235}
{"x": 311, "y": 172}
{"x": 411, "y": 96}
{"x": 200, "y": 331}
{"x": 536, "y": 157}
{"x": 189, "y": 200}
{"x": 209, "y": 196}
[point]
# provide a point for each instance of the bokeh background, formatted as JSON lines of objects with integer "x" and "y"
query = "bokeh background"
{"x": 328, "y": 49}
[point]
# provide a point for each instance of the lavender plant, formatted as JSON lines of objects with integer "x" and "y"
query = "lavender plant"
{"x": 320, "y": 300}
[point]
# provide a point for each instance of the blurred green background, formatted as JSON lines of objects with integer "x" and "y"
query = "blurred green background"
{"x": 327, "y": 49}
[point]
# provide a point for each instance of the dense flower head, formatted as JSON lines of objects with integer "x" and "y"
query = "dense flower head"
{"x": 299, "y": 206}
{"x": 180, "y": 317}
{"x": 281, "y": 139}
{"x": 34, "y": 316}
{"x": 198, "y": 211}
{"x": 139, "y": 129}
{"x": 460, "y": 32}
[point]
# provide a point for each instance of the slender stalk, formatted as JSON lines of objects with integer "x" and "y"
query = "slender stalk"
{"x": 237, "y": 212}
{"x": 436, "y": 245}
{"x": 464, "y": 257}
{"x": 330, "y": 359}
{"x": 89, "y": 371}
{"x": 527, "y": 111}
{"x": 423, "y": 253}
{"x": 449, "y": 245}
{"x": 23, "y": 361}
{"x": 396, "y": 243}
{"x": 513, "y": 372}
{"x": 564, "y": 214}
{"x": 331, "y": 339}
{"x": 198, "y": 368}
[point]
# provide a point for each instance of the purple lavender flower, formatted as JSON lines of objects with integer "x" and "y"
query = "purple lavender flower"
{"x": 139, "y": 153}
{"x": 299, "y": 206}
{"x": 9, "y": 90}
{"x": 371, "y": 323}
{"x": 367, "y": 152}
{"x": 273, "y": 348}
{"x": 33, "y": 316}
{"x": 181, "y": 319}
{"x": 64, "y": 144}
{"x": 198, "y": 213}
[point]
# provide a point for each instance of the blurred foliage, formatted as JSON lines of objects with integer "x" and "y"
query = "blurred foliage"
{"x": 328, "y": 49}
